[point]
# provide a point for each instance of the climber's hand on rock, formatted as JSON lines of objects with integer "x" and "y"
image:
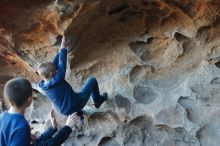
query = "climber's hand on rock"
{"x": 72, "y": 120}
{"x": 63, "y": 42}
{"x": 53, "y": 119}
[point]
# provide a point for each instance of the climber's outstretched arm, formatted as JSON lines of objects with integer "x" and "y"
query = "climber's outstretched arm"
{"x": 56, "y": 60}
{"x": 62, "y": 61}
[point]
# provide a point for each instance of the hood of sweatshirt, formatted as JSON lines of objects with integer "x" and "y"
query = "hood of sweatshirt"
{"x": 45, "y": 86}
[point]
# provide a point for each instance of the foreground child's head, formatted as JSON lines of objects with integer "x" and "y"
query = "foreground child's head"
{"x": 46, "y": 70}
{"x": 18, "y": 92}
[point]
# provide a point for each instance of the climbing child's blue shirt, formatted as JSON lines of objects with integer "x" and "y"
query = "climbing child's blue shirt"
{"x": 59, "y": 91}
{"x": 14, "y": 130}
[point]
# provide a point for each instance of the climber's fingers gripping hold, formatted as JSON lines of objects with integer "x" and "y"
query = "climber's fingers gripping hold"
{"x": 65, "y": 43}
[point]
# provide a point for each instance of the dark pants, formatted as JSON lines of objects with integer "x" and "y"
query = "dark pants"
{"x": 90, "y": 88}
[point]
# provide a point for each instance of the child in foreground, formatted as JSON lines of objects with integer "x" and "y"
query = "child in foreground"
{"x": 14, "y": 128}
{"x": 60, "y": 92}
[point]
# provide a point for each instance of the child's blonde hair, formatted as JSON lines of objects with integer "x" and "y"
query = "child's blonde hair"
{"x": 44, "y": 69}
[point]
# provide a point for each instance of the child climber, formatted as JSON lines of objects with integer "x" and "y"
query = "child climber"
{"x": 59, "y": 91}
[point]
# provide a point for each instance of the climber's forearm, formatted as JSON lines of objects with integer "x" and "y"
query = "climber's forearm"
{"x": 62, "y": 63}
{"x": 57, "y": 57}
{"x": 56, "y": 60}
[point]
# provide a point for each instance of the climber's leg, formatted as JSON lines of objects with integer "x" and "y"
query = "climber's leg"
{"x": 91, "y": 88}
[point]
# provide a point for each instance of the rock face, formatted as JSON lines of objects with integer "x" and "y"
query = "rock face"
{"x": 159, "y": 60}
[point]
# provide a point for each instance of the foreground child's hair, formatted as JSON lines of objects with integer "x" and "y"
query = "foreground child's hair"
{"x": 17, "y": 91}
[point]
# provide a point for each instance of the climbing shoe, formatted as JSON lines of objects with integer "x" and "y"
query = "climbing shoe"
{"x": 104, "y": 97}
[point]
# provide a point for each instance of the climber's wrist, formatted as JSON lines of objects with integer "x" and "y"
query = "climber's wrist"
{"x": 63, "y": 45}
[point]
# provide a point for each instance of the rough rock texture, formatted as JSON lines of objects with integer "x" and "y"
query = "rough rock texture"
{"x": 159, "y": 60}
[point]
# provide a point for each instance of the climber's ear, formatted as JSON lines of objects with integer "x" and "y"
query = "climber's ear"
{"x": 51, "y": 74}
